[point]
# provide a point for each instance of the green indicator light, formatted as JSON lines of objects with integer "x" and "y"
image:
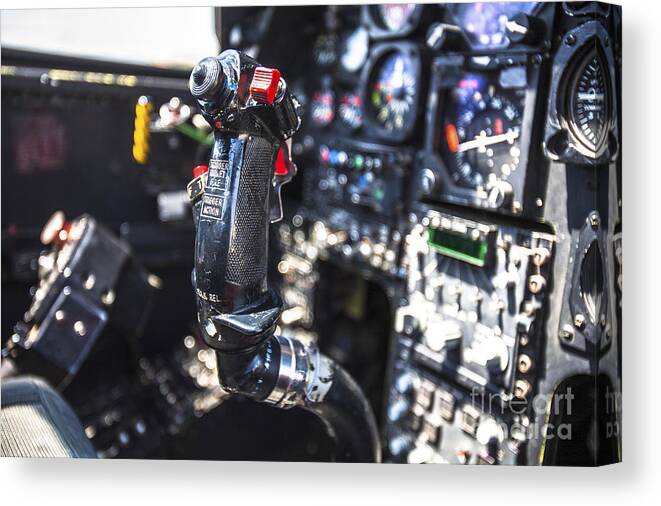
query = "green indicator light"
{"x": 460, "y": 247}
{"x": 195, "y": 134}
{"x": 379, "y": 194}
{"x": 358, "y": 161}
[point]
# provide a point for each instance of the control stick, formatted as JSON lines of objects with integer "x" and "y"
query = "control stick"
{"x": 253, "y": 116}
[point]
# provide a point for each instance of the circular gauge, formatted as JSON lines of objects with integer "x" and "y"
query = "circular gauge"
{"x": 392, "y": 92}
{"x": 485, "y": 23}
{"x": 589, "y": 103}
{"x": 350, "y": 110}
{"x": 396, "y": 16}
{"x": 480, "y": 134}
{"x": 322, "y": 107}
{"x": 354, "y": 50}
{"x": 324, "y": 50}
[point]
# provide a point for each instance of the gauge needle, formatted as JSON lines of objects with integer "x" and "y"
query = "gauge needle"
{"x": 591, "y": 95}
{"x": 482, "y": 141}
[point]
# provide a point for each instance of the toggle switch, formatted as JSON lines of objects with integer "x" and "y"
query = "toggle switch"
{"x": 264, "y": 85}
{"x": 442, "y": 334}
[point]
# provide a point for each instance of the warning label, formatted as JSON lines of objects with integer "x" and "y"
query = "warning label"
{"x": 212, "y": 206}
{"x": 214, "y": 199}
{"x": 217, "y": 178}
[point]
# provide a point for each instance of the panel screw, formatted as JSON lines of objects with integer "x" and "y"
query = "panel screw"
{"x": 524, "y": 364}
{"x": 536, "y": 283}
{"x": 570, "y": 39}
{"x": 108, "y": 297}
{"x": 522, "y": 389}
{"x": 59, "y": 315}
{"x": 79, "y": 328}
{"x": 566, "y": 333}
{"x": 594, "y": 220}
{"x": 579, "y": 321}
{"x": 540, "y": 255}
{"x": 89, "y": 282}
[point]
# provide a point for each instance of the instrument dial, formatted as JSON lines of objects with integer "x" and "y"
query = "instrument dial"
{"x": 392, "y": 92}
{"x": 480, "y": 134}
{"x": 324, "y": 50}
{"x": 396, "y": 16}
{"x": 354, "y": 50}
{"x": 322, "y": 107}
{"x": 589, "y": 103}
{"x": 350, "y": 110}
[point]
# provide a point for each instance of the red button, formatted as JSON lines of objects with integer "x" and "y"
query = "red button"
{"x": 264, "y": 85}
{"x": 199, "y": 170}
{"x": 280, "y": 165}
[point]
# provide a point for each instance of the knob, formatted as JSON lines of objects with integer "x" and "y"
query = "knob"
{"x": 400, "y": 444}
{"x": 397, "y": 410}
{"x": 500, "y": 194}
{"x": 427, "y": 181}
{"x": 523, "y": 29}
{"x": 489, "y": 430}
{"x": 206, "y": 79}
{"x": 522, "y": 388}
{"x": 411, "y": 324}
{"x": 405, "y": 382}
{"x": 445, "y": 36}
{"x": 444, "y": 334}
{"x": 421, "y": 454}
{"x": 536, "y": 283}
{"x": 496, "y": 355}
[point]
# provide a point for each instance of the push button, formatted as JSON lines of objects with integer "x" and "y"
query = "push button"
{"x": 199, "y": 170}
{"x": 264, "y": 85}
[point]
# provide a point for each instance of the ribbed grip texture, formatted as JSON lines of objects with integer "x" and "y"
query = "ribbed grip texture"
{"x": 247, "y": 255}
{"x": 35, "y": 421}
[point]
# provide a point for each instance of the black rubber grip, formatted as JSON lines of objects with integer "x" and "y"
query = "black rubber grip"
{"x": 231, "y": 245}
{"x": 247, "y": 255}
